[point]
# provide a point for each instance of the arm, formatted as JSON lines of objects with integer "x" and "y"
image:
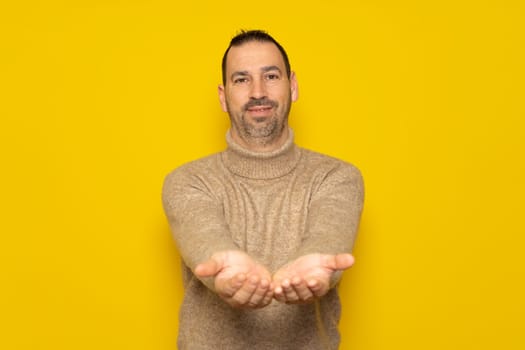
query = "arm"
{"x": 333, "y": 218}
{"x": 200, "y": 230}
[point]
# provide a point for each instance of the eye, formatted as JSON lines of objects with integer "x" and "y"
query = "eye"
{"x": 240, "y": 80}
{"x": 272, "y": 76}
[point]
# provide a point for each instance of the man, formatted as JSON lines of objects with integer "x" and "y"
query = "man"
{"x": 265, "y": 227}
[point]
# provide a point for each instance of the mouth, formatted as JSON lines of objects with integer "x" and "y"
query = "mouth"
{"x": 260, "y": 111}
{"x": 257, "y": 109}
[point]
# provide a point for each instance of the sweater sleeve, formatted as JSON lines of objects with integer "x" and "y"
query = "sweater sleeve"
{"x": 196, "y": 218}
{"x": 334, "y": 212}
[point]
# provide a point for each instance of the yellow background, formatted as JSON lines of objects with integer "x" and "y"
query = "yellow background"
{"x": 99, "y": 100}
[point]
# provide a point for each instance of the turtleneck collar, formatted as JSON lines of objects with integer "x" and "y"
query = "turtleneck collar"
{"x": 261, "y": 165}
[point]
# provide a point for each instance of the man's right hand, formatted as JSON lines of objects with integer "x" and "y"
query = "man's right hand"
{"x": 239, "y": 280}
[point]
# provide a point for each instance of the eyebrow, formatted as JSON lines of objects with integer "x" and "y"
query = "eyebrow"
{"x": 270, "y": 68}
{"x": 264, "y": 69}
{"x": 241, "y": 73}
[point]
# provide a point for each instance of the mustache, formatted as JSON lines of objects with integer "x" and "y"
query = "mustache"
{"x": 260, "y": 102}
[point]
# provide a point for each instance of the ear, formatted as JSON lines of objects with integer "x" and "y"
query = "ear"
{"x": 294, "y": 88}
{"x": 222, "y": 98}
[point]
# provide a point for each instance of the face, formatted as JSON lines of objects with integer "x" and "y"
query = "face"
{"x": 257, "y": 95}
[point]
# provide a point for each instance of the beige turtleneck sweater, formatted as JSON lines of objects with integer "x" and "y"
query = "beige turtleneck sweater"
{"x": 275, "y": 206}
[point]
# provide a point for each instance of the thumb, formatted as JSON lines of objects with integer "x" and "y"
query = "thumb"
{"x": 338, "y": 261}
{"x": 208, "y": 268}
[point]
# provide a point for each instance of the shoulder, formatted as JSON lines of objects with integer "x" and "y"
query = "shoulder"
{"x": 194, "y": 172}
{"x": 332, "y": 177}
{"x": 195, "y": 179}
{"x": 195, "y": 167}
{"x": 318, "y": 163}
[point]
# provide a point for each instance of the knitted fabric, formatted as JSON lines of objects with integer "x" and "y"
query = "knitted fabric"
{"x": 276, "y": 206}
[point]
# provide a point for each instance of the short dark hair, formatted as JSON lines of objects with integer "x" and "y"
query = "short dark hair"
{"x": 246, "y": 36}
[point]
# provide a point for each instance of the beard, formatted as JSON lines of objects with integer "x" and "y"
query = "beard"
{"x": 260, "y": 127}
{"x": 261, "y": 130}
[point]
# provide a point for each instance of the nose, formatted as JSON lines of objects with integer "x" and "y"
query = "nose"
{"x": 258, "y": 89}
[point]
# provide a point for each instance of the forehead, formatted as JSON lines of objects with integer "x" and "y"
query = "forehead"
{"x": 254, "y": 55}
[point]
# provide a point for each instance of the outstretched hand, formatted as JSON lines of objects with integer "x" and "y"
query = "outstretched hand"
{"x": 239, "y": 280}
{"x": 243, "y": 283}
{"x": 308, "y": 277}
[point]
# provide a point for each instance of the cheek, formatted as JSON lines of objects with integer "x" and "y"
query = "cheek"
{"x": 236, "y": 99}
{"x": 283, "y": 92}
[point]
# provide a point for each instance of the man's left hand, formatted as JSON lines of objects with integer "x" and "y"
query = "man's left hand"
{"x": 308, "y": 277}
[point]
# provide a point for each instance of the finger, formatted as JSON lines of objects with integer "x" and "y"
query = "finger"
{"x": 289, "y": 291}
{"x": 278, "y": 294}
{"x": 267, "y": 299}
{"x": 229, "y": 286}
{"x": 260, "y": 298}
{"x": 301, "y": 289}
{"x": 243, "y": 295}
{"x": 344, "y": 261}
{"x": 260, "y": 292}
{"x": 209, "y": 268}
{"x": 338, "y": 262}
{"x": 317, "y": 288}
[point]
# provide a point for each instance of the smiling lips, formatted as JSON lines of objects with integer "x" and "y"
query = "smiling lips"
{"x": 259, "y": 110}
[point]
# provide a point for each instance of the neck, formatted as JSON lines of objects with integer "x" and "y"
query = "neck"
{"x": 261, "y": 165}
{"x": 261, "y": 144}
